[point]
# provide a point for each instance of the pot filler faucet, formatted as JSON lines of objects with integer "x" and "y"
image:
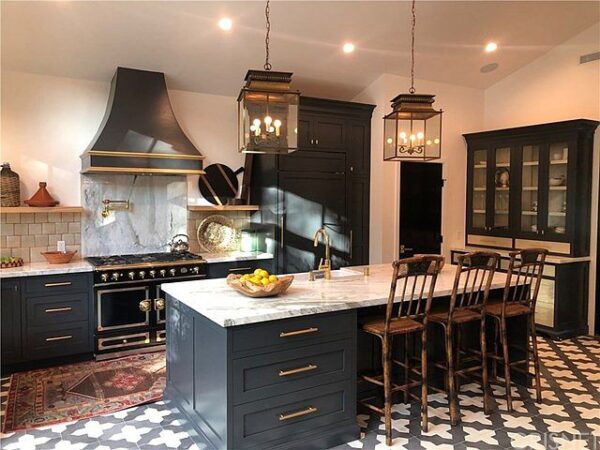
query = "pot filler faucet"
{"x": 324, "y": 263}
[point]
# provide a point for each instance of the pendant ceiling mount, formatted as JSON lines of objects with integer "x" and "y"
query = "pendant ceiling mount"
{"x": 268, "y": 108}
{"x": 413, "y": 130}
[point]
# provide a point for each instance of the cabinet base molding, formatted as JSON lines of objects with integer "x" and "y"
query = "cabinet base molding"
{"x": 489, "y": 241}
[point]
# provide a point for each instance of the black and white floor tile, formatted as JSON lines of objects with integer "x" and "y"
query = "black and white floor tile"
{"x": 568, "y": 418}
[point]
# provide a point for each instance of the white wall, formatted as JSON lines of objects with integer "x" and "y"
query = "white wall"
{"x": 47, "y": 122}
{"x": 552, "y": 88}
{"x": 463, "y": 112}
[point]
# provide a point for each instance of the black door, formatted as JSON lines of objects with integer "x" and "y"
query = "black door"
{"x": 420, "y": 208}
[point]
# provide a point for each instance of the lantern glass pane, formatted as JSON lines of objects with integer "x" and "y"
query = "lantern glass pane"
{"x": 389, "y": 139}
{"x": 433, "y": 142}
{"x": 268, "y": 122}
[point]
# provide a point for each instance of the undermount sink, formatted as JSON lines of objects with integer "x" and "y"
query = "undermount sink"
{"x": 342, "y": 274}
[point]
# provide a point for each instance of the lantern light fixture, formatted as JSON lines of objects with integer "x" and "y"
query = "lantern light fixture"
{"x": 268, "y": 108}
{"x": 413, "y": 130}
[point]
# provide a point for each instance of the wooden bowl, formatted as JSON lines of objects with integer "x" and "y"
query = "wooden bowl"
{"x": 58, "y": 257}
{"x": 250, "y": 289}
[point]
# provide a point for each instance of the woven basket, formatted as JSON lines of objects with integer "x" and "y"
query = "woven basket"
{"x": 10, "y": 190}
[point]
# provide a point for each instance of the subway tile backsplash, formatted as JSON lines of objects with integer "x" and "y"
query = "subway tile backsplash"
{"x": 27, "y": 235}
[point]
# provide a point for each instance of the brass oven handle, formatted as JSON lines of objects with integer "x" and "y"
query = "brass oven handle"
{"x": 308, "y": 368}
{"x": 145, "y": 305}
{"x": 159, "y": 304}
{"x": 284, "y": 334}
{"x": 59, "y": 338}
{"x": 61, "y": 283}
{"x": 53, "y": 310}
{"x": 293, "y": 415}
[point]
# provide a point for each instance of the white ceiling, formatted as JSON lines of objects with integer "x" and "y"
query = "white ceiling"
{"x": 89, "y": 39}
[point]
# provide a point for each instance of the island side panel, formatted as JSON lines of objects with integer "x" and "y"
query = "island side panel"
{"x": 197, "y": 371}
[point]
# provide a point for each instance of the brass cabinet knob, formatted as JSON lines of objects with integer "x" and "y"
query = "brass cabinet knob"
{"x": 145, "y": 305}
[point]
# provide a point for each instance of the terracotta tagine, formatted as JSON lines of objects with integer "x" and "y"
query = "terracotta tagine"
{"x": 42, "y": 197}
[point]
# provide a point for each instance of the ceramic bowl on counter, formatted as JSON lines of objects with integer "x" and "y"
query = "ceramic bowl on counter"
{"x": 58, "y": 257}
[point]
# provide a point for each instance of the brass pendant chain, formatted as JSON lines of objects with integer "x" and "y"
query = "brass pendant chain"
{"x": 267, "y": 65}
{"x": 412, "y": 50}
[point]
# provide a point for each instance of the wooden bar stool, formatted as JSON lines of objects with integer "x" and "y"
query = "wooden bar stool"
{"x": 417, "y": 277}
{"x": 523, "y": 282}
{"x": 469, "y": 296}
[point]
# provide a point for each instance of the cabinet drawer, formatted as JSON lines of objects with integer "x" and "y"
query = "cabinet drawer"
{"x": 290, "y": 333}
{"x": 66, "y": 340}
{"x": 258, "y": 377}
{"x": 257, "y": 423}
{"x": 54, "y": 284}
{"x": 57, "y": 309}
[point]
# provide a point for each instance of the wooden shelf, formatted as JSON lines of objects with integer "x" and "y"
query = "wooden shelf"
{"x": 33, "y": 209}
{"x": 559, "y": 161}
{"x": 531, "y": 163}
{"x": 557, "y": 214}
{"x": 223, "y": 208}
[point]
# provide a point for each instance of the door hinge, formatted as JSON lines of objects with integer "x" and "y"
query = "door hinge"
{"x": 443, "y": 182}
{"x": 441, "y": 238}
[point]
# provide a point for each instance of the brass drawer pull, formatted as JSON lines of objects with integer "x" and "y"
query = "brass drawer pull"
{"x": 308, "y": 368}
{"x": 240, "y": 269}
{"x": 53, "y": 310}
{"x": 61, "y": 283}
{"x": 59, "y": 338}
{"x": 284, "y": 334}
{"x": 293, "y": 415}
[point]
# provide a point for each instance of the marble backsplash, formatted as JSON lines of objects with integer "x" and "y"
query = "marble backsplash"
{"x": 158, "y": 211}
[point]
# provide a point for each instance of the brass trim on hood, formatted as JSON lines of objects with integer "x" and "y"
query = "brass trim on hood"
{"x": 99, "y": 169}
{"x": 125, "y": 154}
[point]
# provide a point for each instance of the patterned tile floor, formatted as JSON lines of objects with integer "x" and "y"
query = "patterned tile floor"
{"x": 569, "y": 417}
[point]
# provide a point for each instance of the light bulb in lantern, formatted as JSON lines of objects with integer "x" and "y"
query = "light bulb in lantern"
{"x": 252, "y": 127}
{"x": 256, "y": 122}
{"x": 268, "y": 120}
{"x": 277, "y": 124}
{"x": 390, "y": 141}
{"x": 420, "y": 135}
{"x": 428, "y": 141}
{"x": 436, "y": 141}
{"x": 403, "y": 135}
{"x": 412, "y": 137}
{"x": 271, "y": 129}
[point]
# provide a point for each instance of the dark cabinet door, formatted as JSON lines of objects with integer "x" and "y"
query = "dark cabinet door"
{"x": 329, "y": 132}
{"x": 359, "y": 143}
{"x": 478, "y": 186}
{"x": 11, "y": 322}
{"x": 311, "y": 200}
{"x": 304, "y": 132}
{"x": 358, "y": 223}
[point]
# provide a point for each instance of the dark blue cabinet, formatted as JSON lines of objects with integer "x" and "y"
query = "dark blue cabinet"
{"x": 12, "y": 351}
{"x": 221, "y": 270}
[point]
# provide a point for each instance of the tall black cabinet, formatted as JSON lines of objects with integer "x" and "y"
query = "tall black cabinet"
{"x": 323, "y": 184}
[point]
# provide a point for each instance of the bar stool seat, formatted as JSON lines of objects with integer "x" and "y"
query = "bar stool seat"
{"x": 460, "y": 316}
{"x": 512, "y": 310}
{"x": 376, "y": 325}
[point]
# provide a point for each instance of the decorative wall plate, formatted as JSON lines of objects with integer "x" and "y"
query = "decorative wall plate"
{"x": 217, "y": 234}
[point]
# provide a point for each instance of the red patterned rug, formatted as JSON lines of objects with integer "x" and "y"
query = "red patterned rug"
{"x": 77, "y": 391}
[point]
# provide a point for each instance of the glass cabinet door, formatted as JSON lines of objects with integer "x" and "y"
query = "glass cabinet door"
{"x": 530, "y": 195}
{"x": 478, "y": 208}
{"x": 556, "y": 219}
{"x": 501, "y": 188}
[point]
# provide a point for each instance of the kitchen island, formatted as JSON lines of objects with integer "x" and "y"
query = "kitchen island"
{"x": 281, "y": 372}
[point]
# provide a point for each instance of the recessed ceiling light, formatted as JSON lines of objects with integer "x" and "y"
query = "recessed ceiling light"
{"x": 348, "y": 47}
{"x": 491, "y": 47}
{"x": 225, "y": 24}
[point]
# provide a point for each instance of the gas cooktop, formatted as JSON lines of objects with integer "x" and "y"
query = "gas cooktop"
{"x": 143, "y": 260}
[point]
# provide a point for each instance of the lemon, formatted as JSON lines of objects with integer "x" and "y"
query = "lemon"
{"x": 255, "y": 280}
{"x": 257, "y": 272}
{"x": 273, "y": 278}
{"x": 245, "y": 277}
{"x": 265, "y": 281}
{"x": 264, "y": 273}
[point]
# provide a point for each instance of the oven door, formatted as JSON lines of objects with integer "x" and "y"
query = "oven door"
{"x": 125, "y": 307}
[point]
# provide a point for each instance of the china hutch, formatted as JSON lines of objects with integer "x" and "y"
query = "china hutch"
{"x": 532, "y": 187}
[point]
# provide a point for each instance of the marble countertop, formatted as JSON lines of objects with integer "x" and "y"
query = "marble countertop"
{"x": 235, "y": 256}
{"x": 43, "y": 268}
{"x": 552, "y": 259}
{"x": 349, "y": 289}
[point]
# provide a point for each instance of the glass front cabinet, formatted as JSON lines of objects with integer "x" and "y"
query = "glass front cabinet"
{"x": 531, "y": 187}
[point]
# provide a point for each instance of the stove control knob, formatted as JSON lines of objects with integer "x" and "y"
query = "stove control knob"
{"x": 172, "y": 272}
{"x": 131, "y": 275}
{"x": 152, "y": 273}
{"x": 104, "y": 277}
{"x": 163, "y": 273}
{"x": 142, "y": 274}
{"x": 196, "y": 270}
{"x": 115, "y": 276}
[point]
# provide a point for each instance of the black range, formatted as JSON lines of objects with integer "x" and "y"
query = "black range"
{"x": 130, "y": 306}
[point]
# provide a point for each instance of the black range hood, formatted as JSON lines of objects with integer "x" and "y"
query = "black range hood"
{"x": 139, "y": 133}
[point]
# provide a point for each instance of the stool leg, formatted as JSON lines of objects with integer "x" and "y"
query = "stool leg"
{"x": 504, "y": 338}
{"x": 452, "y": 400}
{"x": 406, "y": 367}
{"x": 424, "y": 419}
{"x": 536, "y": 360}
{"x": 496, "y": 349}
{"x": 484, "y": 368}
{"x": 458, "y": 355}
{"x": 387, "y": 388}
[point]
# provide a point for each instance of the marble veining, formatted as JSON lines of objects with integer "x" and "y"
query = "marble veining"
{"x": 226, "y": 307}
{"x": 158, "y": 211}
{"x": 44, "y": 268}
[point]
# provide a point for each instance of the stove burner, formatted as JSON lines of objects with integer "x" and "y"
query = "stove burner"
{"x": 145, "y": 259}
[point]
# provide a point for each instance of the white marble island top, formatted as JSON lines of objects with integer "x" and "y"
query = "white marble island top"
{"x": 227, "y": 308}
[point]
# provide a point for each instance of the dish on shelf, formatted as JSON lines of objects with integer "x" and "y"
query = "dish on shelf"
{"x": 560, "y": 230}
{"x": 58, "y": 257}
{"x": 217, "y": 234}
{"x": 557, "y": 181}
{"x": 250, "y": 289}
